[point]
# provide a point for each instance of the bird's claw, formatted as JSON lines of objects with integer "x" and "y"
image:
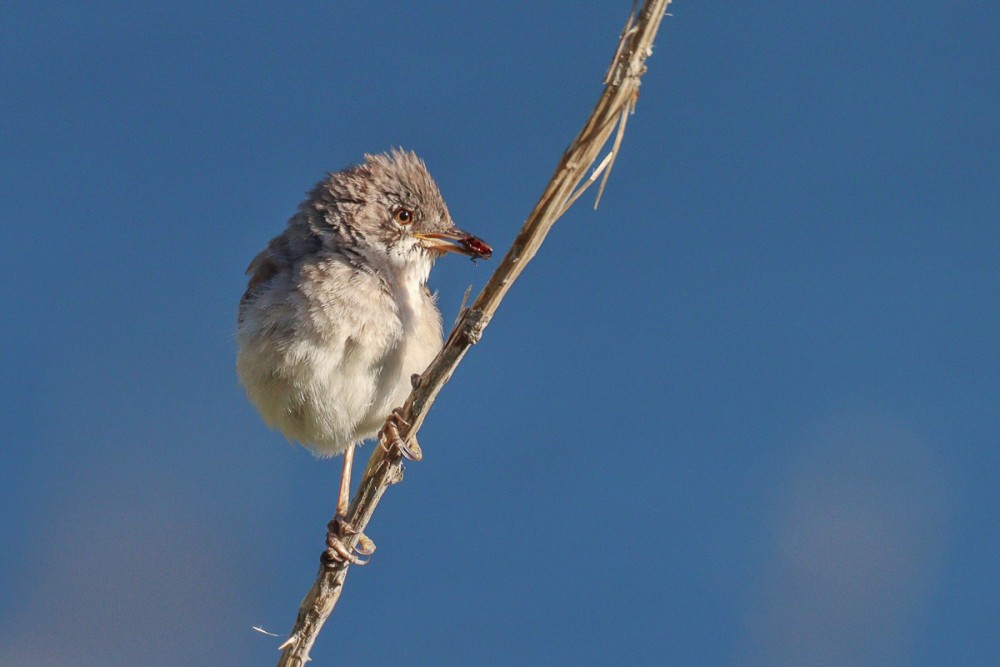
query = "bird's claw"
{"x": 337, "y": 552}
{"x": 365, "y": 546}
{"x": 389, "y": 437}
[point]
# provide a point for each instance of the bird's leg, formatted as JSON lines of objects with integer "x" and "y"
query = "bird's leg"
{"x": 338, "y": 528}
{"x": 344, "y": 498}
{"x": 389, "y": 437}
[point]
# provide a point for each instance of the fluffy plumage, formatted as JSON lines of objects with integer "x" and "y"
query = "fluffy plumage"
{"x": 337, "y": 315}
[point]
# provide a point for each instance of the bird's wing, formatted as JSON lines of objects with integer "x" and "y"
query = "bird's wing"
{"x": 297, "y": 241}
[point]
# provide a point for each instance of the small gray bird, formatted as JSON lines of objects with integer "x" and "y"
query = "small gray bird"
{"x": 337, "y": 316}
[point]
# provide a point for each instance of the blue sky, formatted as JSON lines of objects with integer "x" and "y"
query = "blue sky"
{"x": 743, "y": 414}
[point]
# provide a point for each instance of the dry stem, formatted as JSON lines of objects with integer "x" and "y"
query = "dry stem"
{"x": 385, "y": 468}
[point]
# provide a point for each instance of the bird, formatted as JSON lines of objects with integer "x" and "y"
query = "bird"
{"x": 337, "y": 316}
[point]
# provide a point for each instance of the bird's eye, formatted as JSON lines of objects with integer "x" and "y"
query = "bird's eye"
{"x": 403, "y": 216}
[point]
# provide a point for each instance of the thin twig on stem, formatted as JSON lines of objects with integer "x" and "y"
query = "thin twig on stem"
{"x": 385, "y": 465}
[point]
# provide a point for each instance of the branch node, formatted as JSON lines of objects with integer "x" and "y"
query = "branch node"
{"x": 473, "y": 325}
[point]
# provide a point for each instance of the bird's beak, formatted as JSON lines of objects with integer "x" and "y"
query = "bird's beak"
{"x": 455, "y": 240}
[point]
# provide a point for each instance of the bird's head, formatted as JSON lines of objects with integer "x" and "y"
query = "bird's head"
{"x": 390, "y": 209}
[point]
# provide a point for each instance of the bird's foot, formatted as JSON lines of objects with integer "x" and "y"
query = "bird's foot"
{"x": 338, "y": 552}
{"x": 389, "y": 437}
